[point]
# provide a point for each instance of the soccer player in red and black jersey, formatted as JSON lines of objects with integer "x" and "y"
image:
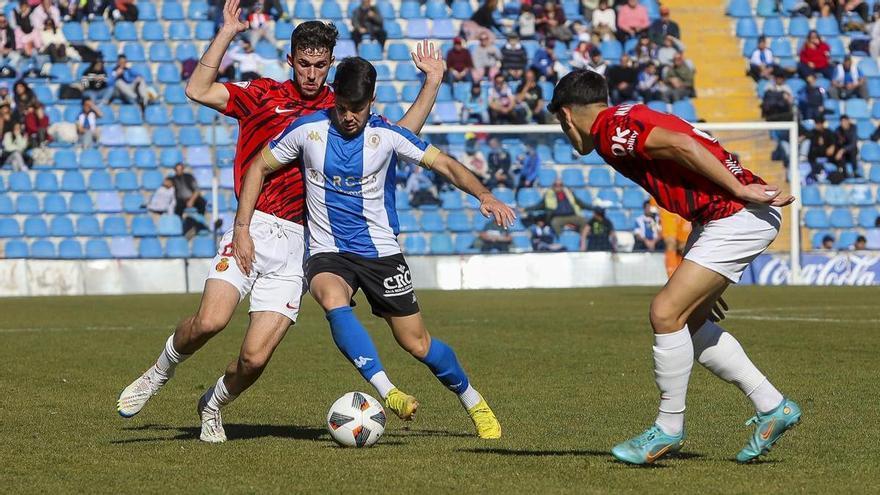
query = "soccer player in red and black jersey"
{"x": 736, "y": 215}
{"x": 274, "y": 275}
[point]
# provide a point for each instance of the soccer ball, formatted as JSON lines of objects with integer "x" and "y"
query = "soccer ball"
{"x": 356, "y": 420}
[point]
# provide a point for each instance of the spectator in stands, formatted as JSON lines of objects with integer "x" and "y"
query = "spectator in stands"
{"x": 36, "y": 125}
{"x": 597, "y": 63}
{"x": 9, "y": 56}
{"x": 861, "y": 244}
{"x": 54, "y": 43}
{"x": 665, "y": 54}
{"x": 475, "y": 109}
{"x": 123, "y": 10}
{"x": 622, "y": 80}
{"x": 531, "y": 96}
{"x": 459, "y": 64}
{"x": 366, "y": 19}
{"x": 128, "y": 84}
{"x": 5, "y": 96}
{"x": 261, "y": 26}
{"x": 647, "y": 231}
{"x": 487, "y": 58}
{"x": 604, "y": 21}
{"x": 580, "y": 56}
{"x": 827, "y": 242}
{"x": 598, "y": 234}
{"x": 563, "y": 208}
{"x": 554, "y": 26}
{"x": 823, "y": 147}
{"x": 545, "y": 60}
{"x": 45, "y": 11}
{"x": 650, "y": 87}
{"x": 530, "y": 165}
{"x": 587, "y": 8}
{"x": 499, "y": 166}
{"x": 513, "y": 58}
{"x": 94, "y": 82}
{"x": 503, "y": 107}
{"x": 873, "y": 236}
{"x": 249, "y": 62}
{"x": 187, "y": 192}
{"x": 581, "y": 32}
{"x": 778, "y": 101}
{"x": 525, "y": 24}
{"x": 87, "y": 124}
{"x": 274, "y": 8}
{"x": 6, "y": 119}
{"x": 848, "y": 81}
{"x": 27, "y": 38}
{"x": 163, "y": 200}
{"x": 679, "y": 78}
{"x": 815, "y": 57}
{"x": 859, "y": 7}
{"x": 484, "y": 18}
{"x": 847, "y": 156}
{"x": 761, "y": 63}
{"x": 644, "y": 52}
{"x": 70, "y": 10}
{"x": 420, "y": 189}
{"x": 24, "y": 96}
{"x": 632, "y": 20}
{"x": 475, "y": 161}
{"x": 493, "y": 237}
{"x": 543, "y": 238}
{"x": 663, "y": 27}
{"x": 15, "y": 143}
{"x": 811, "y": 99}
{"x": 874, "y": 31}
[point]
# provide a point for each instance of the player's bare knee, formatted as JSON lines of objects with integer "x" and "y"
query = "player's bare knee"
{"x": 205, "y": 325}
{"x": 252, "y": 362}
{"x": 665, "y": 318}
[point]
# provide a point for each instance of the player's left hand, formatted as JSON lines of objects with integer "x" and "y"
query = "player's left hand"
{"x": 429, "y": 60}
{"x": 717, "y": 313}
{"x": 492, "y": 208}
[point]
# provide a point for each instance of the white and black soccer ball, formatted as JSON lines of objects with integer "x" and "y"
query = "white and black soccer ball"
{"x": 356, "y": 420}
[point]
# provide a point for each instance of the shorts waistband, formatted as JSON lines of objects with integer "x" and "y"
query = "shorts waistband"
{"x": 262, "y": 217}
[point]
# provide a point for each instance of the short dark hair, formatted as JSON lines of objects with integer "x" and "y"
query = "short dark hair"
{"x": 355, "y": 80}
{"x": 579, "y": 87}
{"x": 314, "y": 34}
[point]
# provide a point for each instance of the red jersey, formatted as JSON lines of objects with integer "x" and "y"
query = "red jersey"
{"x": 264, "y": 107}
{"x": 620, "y": 134}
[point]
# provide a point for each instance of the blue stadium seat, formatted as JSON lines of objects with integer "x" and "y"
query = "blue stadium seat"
{"x": 464, "y": 243}
{"x": 407, "y": 221}
{"x": 521, "y": 243}
{"x": 838, "y": 51}
{"x": 35, "y": 226}
{"x": 573, "y": 177}
{"x": 145, "y": 159}
{"x": 183, "y": 115}
{"x": 170, "y": 225}
{"x": 870, "y": 152}
{"x": 827, "y": 26}
{"x": 410, "y": 10}
{"x": 70, "y": 249}
{"x": 15, "y": 249}
{"x": 175, "y": 94}
{"x": 446, "y": 113}
{"x": 303, "y": 9}
{"x": 836, "y": 196}
{"x": 874, "y": 175}
{"x": 130, "y": 115}
{"x": 164, "y": 136}
{"x": 125, "y": 31}
{"x": 798, "y": 27}
{"x": 610, "y": 197}
{"x": 773, "y": 27}
{"x": 331, "y": 10}
{"x": 867, "y": 217}
{"x": 841, "y": 218}
{"x": 109, "y": 51}
{"x": 570, "y": 240}
{"x": 398, "y": 52}
{"x": 73, "y": 31}
{"x": 395, "y": 32}
{"x": 65, "y": 159}
{"x": 197, "y": 10}
{"x": 149, "y": 247}
{"x": 546, "y": 177}
{"x": 109, "y": 115}
{"x": 61, "y": 226}
{"x": 191, "y": 136}
{"x": 87, "y": 226}
{"x": 73, "y": 181}
{"x": 505, "y": 195}
{"x": 172, "y": 11}
{"x": 20, "y": 182}
{"x": 370, "y": 51}
{"x": 137, "y": 135}
{"x": 410, "y": 91}
{"x": 816, "y": 218}
{"x": 160, "y": 52}
{"x": 60, "y": 73}
{"x": 418, "y": 29}
{"x": 618, "y": 219}
{"x": 91, "y": 159}
{"x": 203, "y": 247}
{"x": 766, "y": 8}
{"x": 462, "y": 10}
{"x": 99, "y": 31}
{"x": 401, "y": 201}
{"x": 393, "y": 112}
{"x": 746, "y": 27}
{"x": 458, "y": 221}
{"x": 157, "y": 115}
{"x": 52, "y": 203}
{"x": 44, "y": 94}
{"x": 846, "y": 240}
{"x": 444, "y": 29}
{"x": 143, "y": 226}
{"x": 9, "y": 227}
{"x": 179, "y": 31}
{"x": 432, "y": 222}
{"x": 108, "y": 202}
{"x": 100, "y": 181}
{"x": 186, "y": 51}
{"x": 122, "y": 247}
{"x": 599, "y": 177}
{"x": 436, "y": 9}
{"x": 153, "y": 31}
{"x": 147, "y": 11}
{"x": 27, "y": 204}
{"x": 43, "y": 249}
{"x": 177, "y": 247}
{"x": 81, "y": 203}
{"x": 115, "y": 226}
{"x": 205, "y": 30}
{"x": 386, "y": 93}
{"x": 528, "y": 197}
{"x": 133, "y": 202}
{"x": 451, "y": 200}
{"x": 97, "y": 249}
{"x": 611, "y": 50}
{"x": 441, "y": 244}
{"x": 685, "y": 110}
{"x": 168, "y": 73}
{"x": 415, "y": 244}
{"x": 46, "y": 182}
{"x": 634, "y": 198}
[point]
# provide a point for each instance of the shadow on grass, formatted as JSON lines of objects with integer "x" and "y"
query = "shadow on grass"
{"x": 233, "y": 432}
{"x": 573, "y": 453}
{"x": 406, "y": 433}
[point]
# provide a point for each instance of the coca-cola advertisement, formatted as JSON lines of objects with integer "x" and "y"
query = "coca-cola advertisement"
{"x": 840, "y": 268}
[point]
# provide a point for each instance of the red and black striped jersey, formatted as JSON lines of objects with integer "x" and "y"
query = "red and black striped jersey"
{"x": 619, "y": 135}
{"x": 265, "y": 107}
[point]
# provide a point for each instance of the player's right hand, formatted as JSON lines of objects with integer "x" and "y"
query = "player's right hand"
{"x": 764, "y": 194}
{"x": 492, "y": 208}
{"x": 232, "y": 17}
{"x": 243, "y": 251}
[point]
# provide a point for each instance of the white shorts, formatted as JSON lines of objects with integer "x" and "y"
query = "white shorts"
{"x": 276, "y": 280}
{"x": 728, "y": 245}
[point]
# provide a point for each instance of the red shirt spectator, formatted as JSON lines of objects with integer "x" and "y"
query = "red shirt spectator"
{"x": 459, "y": 58}
{"x": 816, "y": 54}
{"x": 36, "y": 125}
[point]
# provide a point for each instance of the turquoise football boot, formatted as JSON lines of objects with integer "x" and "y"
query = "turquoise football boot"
{"x": 648, "y": 447}
{"x": 769, "y": 428}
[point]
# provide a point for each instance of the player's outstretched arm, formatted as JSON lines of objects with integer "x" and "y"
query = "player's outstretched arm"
{"x": 430, "y": 61}
{"x": 686, "y": 151}
{"x": 202, "y": 86}
{"x": 464, "y": 179}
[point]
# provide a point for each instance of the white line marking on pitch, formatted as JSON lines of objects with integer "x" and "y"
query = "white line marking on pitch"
{"x": 60, "y": 329}
{"x": 801, "y": 318}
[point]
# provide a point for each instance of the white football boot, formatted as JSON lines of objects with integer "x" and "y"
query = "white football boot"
{"x": 135, "y": 396}
{"x": 212, "y": 422}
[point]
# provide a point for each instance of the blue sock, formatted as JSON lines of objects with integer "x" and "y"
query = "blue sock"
{"x": 443, "y": 363}
{"x": 353, "y": 340}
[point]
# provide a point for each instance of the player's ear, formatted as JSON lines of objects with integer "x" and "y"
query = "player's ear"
{"x": 290, "y": 60}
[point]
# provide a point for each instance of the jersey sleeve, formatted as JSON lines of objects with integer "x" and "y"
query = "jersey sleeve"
{"x": 245, "y": 97}
{"x": 411, "y": 148}
{"x": 285, "y": 148}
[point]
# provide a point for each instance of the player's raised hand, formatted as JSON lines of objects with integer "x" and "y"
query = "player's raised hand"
{"x": 243, "y": 251}
{"x": 765, "y": 194}
{"x": 429, "y": 60}
{"x": 491, "y": 207}
{"x": 717, "y": 313}
{"x": 232, "y": 20}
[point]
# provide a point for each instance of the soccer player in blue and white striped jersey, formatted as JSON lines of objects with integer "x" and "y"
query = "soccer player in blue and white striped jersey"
{"x": 349, "y": 157}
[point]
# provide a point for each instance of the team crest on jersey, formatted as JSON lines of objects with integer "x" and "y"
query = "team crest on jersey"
{"x": 223, "y": 265}
{"x": 242, "y": 84}
{"x": 315, "y": 136}
{"x": 373, "y": 141}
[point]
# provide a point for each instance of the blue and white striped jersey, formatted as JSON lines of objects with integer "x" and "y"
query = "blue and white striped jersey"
{"x": 350, "y": 182}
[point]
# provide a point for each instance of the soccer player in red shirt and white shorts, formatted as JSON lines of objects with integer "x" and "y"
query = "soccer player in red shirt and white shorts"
{"x": 736, "y": 215}
{"x": 264, "y": 108}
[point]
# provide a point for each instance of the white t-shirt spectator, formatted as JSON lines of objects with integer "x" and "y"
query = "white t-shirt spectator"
{"x": 163, "y": 200}
{"x": 607, "y": 18}
{"x": 761, "y": 57}
{"x": 88, "y": 121}
{"x": 647, "y": 227}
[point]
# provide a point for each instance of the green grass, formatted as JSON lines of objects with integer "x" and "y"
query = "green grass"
{"x": 568, "y": 372}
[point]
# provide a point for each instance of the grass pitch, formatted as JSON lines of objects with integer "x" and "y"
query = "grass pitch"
{"x": 568, "y": 372}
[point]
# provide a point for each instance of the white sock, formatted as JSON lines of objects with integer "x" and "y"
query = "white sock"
{"x": 723, "y": 355}
{"x": 470, "y": 397}
{"x": 382, "y": 384}
{"x": 169, "y": 358}
{"x": 220, "y": 396}
{"x": 673, "y": 360}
